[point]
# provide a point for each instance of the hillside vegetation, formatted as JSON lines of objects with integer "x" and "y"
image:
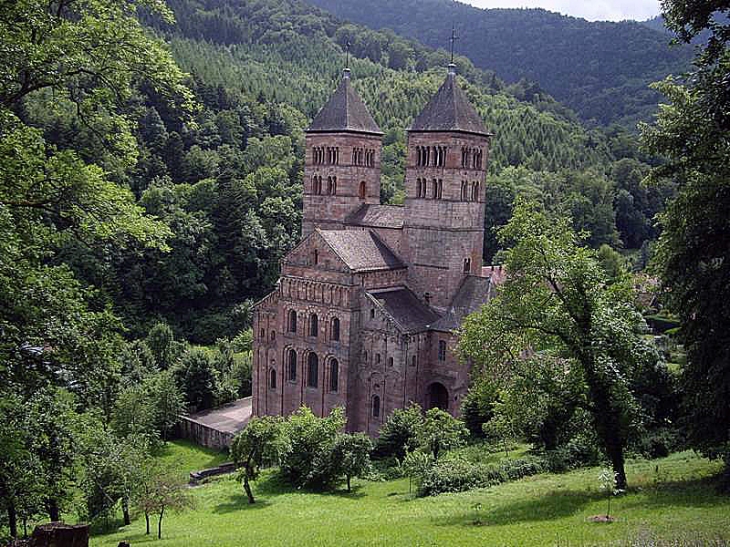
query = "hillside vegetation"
{"x": 599, "y": 69}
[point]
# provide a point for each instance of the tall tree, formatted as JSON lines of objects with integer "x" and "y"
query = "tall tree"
{"x": 693, "y": 254}
{"x": 557, "y": 299}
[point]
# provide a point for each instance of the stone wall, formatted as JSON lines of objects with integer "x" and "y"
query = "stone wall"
{"x": 203, "y": 434}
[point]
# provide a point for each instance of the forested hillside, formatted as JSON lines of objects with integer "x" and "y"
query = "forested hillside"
{"x": 599, "y": 69}
{"x": 223, "y": 171}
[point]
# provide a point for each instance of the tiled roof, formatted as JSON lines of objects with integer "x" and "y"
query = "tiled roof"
{"x": 405, "y": 308}
{"x": 361, "y": 250}
{"x": 377, "y": 216}
{"x": 473, "y": 293}
{"x": 449, "y": 110}
{"x": 344, "y": 111}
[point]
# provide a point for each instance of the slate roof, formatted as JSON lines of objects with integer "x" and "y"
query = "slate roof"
{"x": 449, "y": 110}
{"x": 377, "y": 216}
{"x": 361, "y": 250}
{"x": 344, "y": 111}
{"x": 473, "y": 293}
{"x": 405, "y": 308}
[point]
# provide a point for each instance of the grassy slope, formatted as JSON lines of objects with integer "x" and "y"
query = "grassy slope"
{"x": 542, "y": 510}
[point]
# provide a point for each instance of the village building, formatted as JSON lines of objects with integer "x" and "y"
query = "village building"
{"x": 366, "y": 312}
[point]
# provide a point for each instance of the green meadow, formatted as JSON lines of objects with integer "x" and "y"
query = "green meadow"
{"x": 668, "y": 499}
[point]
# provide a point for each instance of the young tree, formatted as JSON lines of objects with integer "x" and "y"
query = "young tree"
{"x": 399, "y": 434}
{"x": 161, "y": 342}
{"x": 160, "y": 492}
{"x": 440, "y": 432}
{"x": 259, "y": 443}
{"x": 197, "y": 379}
{"x": 557, "y": 297}
{"x": 351, "y": 454}
{"x": 693, "y": 253}
{"x": 166, "y": 401}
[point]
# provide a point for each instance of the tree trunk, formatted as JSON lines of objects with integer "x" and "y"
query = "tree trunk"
{"x": 125, "y": 511}
{"x": 147, "y": 521}
{"x": 159, "y": 523}
{"x": 247, "y": 488}
{"x": 12, "y": 520}
{"x": 348, "y": 483}
{"x": 616, "y": 455}
{"x": 53, "y": 511}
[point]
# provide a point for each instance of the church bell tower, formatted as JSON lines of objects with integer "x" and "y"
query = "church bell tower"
{"x": 342, "y": 165}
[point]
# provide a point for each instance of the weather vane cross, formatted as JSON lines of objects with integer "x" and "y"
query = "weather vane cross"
{"x": 453, "y": 40}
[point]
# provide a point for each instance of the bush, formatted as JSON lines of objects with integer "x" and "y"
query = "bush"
{"x": 399, "y": 434}
{"x": 476, "y": 408}
{"x": 306, "y": 459}
{"x": 459, "y": 475}
{"x": 197, "y": 379}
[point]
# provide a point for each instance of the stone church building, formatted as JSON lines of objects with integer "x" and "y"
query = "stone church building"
{"x": 366, "y": 310}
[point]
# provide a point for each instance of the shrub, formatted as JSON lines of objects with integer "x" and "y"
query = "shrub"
{"x": 458, "y": 475}
{"x": 306, "y": 458}
{"x": 197, "y": 379}
{"x": 399, "y": 434}
{"x": 476, "y": 408}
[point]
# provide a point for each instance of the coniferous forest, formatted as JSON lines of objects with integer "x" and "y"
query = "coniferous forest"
{"x": 151, "y": 165}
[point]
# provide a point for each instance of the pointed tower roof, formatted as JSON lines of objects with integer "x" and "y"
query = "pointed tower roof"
{"x": 344, "y": 111}
{"x": 449, "y": 110}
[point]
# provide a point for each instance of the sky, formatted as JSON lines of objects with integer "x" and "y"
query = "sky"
{"x": 593, "y": 10}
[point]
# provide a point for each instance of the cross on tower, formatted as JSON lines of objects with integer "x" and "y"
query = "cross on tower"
{"x": 453, "y": 40}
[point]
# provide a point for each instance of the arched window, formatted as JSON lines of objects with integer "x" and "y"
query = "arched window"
{"x": 330, "y": 188}
{"x": 442, "y": 350}
{"x": 467, "y": 265}
{"x": 361, "y": 191}
{"x": 292, "y": 321}
{"x": 273, "y": 335}
{"x": 292, "y": 366}
{"x": 334, "y": 375}
{"x": 464, "y": 191}
{"x": 390, "y": 361}
{"x": 334, "y": 185}
{"x": 475, "y": 191}
{"x": 272, "y": 379}
{"x": 413, "y": 361}
{"x": 377, "y": 357}
{"x": 335, "y": 329}
{"x": 262, "y": 334}
{"x": 376, "y": 406}
{"x": 312, "y": 370}
{"x": 365, "y": 356}
{"x": 313, "y": 325}
{"x": 315, "y": 256}
{"x": 440, "y": 189}
{"x": 434, "y": 189}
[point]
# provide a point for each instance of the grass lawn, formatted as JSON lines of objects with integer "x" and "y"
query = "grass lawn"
{"x": 668, "y": 498}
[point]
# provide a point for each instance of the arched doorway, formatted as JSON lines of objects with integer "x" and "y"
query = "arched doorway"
{"x": 437, "y": 396}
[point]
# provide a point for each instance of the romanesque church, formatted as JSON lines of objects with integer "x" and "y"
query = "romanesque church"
{"x": 366, "y": 310}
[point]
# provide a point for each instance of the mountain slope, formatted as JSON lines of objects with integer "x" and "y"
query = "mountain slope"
{"x": 599, "y": 69}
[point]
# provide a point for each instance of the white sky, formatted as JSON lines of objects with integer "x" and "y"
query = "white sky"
{"x": 593, "y": 10}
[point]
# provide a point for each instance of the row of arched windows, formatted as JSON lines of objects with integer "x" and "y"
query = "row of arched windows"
{"x": 313, "y": 325}
{"x": 317, "y": 188}
{"x": 471, "y": 158}
{"x": 329, "y": 155}
{"x": 436, "y": 188}
{"x": 363, "y": 156}
{"x": 312, "y": 371}
{"x": 434, "y": 156}
{"x": 469, "y": 191}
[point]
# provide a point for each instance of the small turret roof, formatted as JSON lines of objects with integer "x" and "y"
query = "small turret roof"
{"x": 345, "y": 111}
{"x": 449, "y": 110}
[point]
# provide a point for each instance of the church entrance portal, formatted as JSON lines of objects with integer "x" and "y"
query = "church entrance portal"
{"x": 438, "y": 396}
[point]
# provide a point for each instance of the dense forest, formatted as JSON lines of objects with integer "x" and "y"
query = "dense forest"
{"x": 599, "y": 69}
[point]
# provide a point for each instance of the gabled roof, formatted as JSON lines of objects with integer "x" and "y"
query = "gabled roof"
{"x": 405, "y": 308}
{"x": 344, "y": 111}
{"x": 361, "y": 250}
{"x": 449, "y": 110}
{"x": 473, "y": 293}
{"x": 377, "y": 216}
